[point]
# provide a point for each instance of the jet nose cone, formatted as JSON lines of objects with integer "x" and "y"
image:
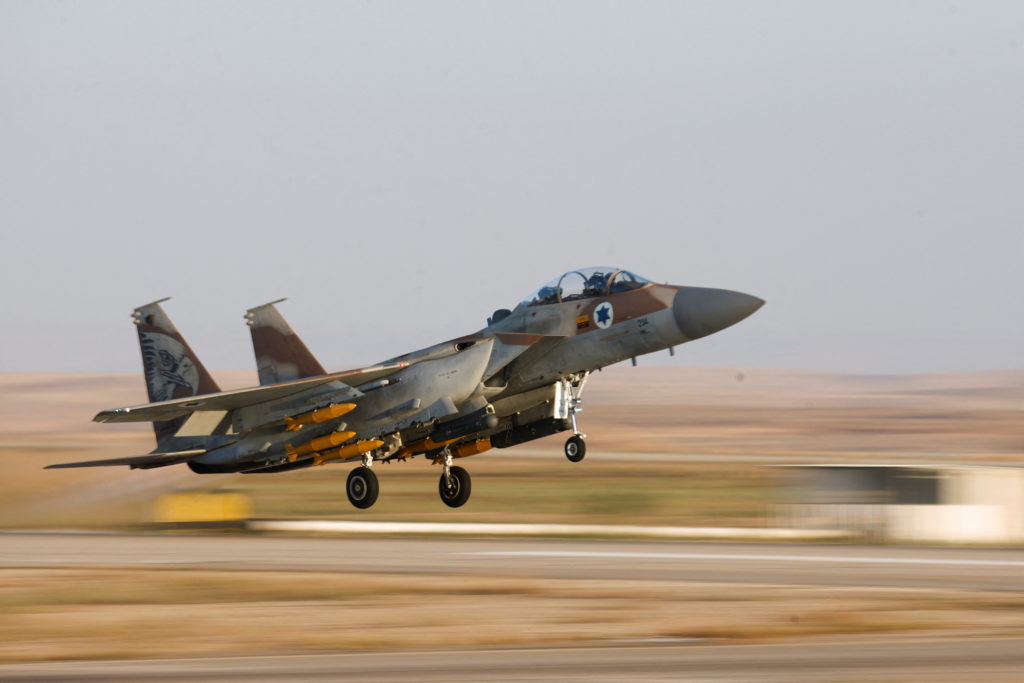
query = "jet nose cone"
{"x": 700, "y": 311}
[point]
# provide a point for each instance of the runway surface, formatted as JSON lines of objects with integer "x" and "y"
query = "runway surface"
{"x": 909, "y": 656}
{"x": 789, "y": 564}
{"x": 845, "y": 659}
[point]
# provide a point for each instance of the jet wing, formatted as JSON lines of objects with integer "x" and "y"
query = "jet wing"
{"x": 240, "y": 398}
{"x": 534, "y": 347}
{"x": 141, "y": 462}
{"x": 510, "y": 346}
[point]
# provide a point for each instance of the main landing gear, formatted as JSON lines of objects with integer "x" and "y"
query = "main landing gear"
{"x": 455, "y": 484}
{"x": 454, "y": 487}
{"x": 362, "y": 487}
{"x": 575, "y": 446}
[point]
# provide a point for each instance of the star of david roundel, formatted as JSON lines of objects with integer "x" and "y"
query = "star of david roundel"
{"x": 604, "y": 315}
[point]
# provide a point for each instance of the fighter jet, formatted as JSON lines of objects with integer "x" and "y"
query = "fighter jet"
{"x": 518, "y": 379}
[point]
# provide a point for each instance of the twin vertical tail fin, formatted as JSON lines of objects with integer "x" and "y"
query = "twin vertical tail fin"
{"x": 280, "y": 355}
{"x": 172, "y": 368}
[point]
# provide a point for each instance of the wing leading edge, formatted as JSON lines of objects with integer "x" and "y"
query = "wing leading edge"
{"x": 136, "y": 462}
{"x": 240, "y": 398}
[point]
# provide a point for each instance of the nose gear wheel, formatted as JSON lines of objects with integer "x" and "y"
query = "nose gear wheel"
{"x": 575, "y": 448}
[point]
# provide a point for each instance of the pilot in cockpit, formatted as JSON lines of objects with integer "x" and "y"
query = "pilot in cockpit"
{"x": 595, "y": 285}
{"x": 547, "y": 295}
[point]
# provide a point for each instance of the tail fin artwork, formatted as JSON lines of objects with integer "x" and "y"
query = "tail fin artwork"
{"x": 280, "y": 355}
{"x": 171, "y": 366}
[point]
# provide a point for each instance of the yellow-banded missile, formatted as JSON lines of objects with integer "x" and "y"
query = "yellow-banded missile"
{"x": 423, "y": 446}
{"x": 318, "y": 444}
{"x": 318, "y": 415}
{"x": 465, "y": 450}
{"x": 347, "y": 451}
{"x": 472, "y": 448}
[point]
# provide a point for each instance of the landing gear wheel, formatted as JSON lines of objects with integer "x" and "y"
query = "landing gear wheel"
{"x": 455, "y": 487}
{"x": 575, "y": 448}
{"x": 362, "y": 487}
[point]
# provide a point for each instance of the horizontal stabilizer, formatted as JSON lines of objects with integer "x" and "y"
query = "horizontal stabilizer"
{"x": 136, "y": 462}
{"x": 241, "y": 398}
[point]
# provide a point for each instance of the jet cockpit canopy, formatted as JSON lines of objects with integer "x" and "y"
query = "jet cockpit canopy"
{"x": 585, "y": 283}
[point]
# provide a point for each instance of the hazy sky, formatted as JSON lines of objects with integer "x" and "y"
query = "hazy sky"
{"x": 399, "y": 170}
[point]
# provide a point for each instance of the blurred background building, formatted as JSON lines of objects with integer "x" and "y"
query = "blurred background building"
{"x": 935, "y": 503}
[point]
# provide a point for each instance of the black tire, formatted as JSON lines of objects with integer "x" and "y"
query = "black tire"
{"x": 455, "y": 489}
{"x": 575, "y": 448}
{"x": 362, "y": 487}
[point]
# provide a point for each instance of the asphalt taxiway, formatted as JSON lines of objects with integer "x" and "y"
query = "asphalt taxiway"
{"x": 789, "y": 564}
{"x": 842, "y": 659}
{"x": 945, "y": 656}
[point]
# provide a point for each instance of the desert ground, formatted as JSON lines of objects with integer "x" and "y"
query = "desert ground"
{"x": 662, "y": 409}
{"x": 722, "y": 423}
{"x": 668, "y": 446}
{"x": 115, "y": 596}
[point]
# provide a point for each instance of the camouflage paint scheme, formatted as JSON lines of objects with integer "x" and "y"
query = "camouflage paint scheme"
{"x": 518, "y": 379}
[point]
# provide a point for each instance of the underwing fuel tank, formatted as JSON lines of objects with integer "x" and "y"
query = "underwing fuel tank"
{"x": 480, "y": 421}
{"x": 529, "y": 432}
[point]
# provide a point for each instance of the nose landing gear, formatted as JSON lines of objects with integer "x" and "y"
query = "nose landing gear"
{"x": 575, "y": 448}
{"x": 572, "y": 388}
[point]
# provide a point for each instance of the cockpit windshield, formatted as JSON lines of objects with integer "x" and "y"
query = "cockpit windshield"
{"x": 585, "y": 284}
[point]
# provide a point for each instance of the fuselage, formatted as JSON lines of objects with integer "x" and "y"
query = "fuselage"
{"x": 521, "y": 369}
{"x": 518, "y": 379}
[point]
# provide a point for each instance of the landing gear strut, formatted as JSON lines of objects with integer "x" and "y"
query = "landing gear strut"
{"x": 575, "y": 446}
{"x": 362, "y": 487}
{"x": 455, "y": 484}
